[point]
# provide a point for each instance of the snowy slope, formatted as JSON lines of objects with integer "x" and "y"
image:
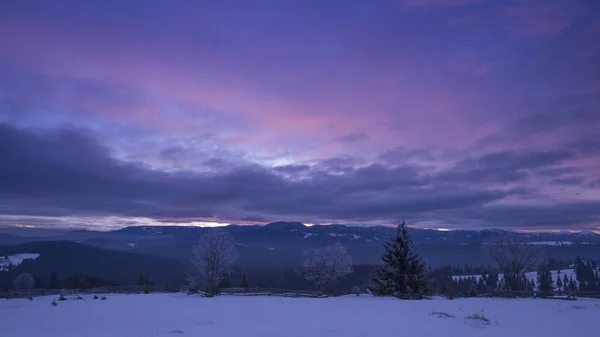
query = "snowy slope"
{"x": 532, "y": 276}
{"x": 182, "y": 315}
{"x": 16, "y": 259}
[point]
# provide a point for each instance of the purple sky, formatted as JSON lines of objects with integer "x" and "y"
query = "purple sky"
{"x": 447, "y": 113}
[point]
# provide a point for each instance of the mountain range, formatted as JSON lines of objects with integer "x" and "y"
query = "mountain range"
{"x": 280, "y": 244}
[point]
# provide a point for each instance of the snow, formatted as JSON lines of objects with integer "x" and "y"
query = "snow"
{"x": 355, "y": 236}
{"x": 531, "y": 276}
{"x": 132, "y": 245}
{"x": 348, "y": 316}
{"x": 306, "y": 235}
{"x": 553, "y": 243}
{"x": 335, "y": 234}
{"x": 16, "y": 259}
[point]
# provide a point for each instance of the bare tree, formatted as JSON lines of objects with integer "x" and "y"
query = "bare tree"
{"x": 513, "y": 258}
{"x": 211, "y": 260}
{"x": 24, "y": 281}
{"x": 323, "y": 265}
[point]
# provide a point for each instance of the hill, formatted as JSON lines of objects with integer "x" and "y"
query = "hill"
{"x": 71, "y": 259}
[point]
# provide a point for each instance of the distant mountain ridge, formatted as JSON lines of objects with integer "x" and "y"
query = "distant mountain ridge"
{"x": 280, "y": 244}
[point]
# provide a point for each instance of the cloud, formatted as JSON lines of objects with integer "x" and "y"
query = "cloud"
{"x": 66, "y": 172}
{"x": 577, "y": 111}
{"x": 449, "y": 3}
{"x": 304, "y": 112}
{"x": 353, "y": 137}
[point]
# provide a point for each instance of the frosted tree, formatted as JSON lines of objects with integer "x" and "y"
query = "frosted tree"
{"x": 403, "y": 273}
{"x": 24, "y": 281}
{"x": 324, "y": 265}
{"x": 211, "y": 261}
{"x": 513, "y": 258}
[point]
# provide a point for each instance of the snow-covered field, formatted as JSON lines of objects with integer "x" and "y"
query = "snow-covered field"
{"x": 351, "y": 316}
{"x": 16, "y": 259}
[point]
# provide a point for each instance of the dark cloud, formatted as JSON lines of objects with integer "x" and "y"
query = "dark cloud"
{"x": 354, "y": 137}
{"x": 536, "y": 216}
{"x": 577, "y": 181}
{"x": 505, "y": 166}
{"x": 578, "y": 111}
{"x": 292, "y": 169}
{"x": 67, "y": 172}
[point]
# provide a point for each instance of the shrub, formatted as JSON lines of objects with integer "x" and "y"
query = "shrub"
{"x": 441, "y": 314}
{"x": 24, "y": 281}
{"x": 450, "y": 293}
{"x": 479, "y": 317}
{"x": 79, "y": 297}
{"x": 95, "y": 297}
{"x": 103, "y": 298}
{"x": 30, "y": 298}
{"x": 62, "y": 298}
{"x": 54, "y": 303}
{"x": 355, "y": 290}
{"x": 146, "y": 289}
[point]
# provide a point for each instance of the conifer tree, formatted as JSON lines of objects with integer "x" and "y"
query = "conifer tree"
{"x": 244, "y": 283}
{"x": 531, "y": 285}
{"x": 559, "y": 283}
{"x": 224, "y": 284}
{"x": 545, "y": 284}
{"x": 53, "y": 281}
{"x": 83, "y": 283}
{"x": 572, "y": 285}
{"x": 565, "y": 281}
{"x": 473, "y": 289}
{"x": 141, "y": 280}
{"x": 403, "y": 272}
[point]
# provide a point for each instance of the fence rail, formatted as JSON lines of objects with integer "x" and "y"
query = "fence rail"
{"x": 157, "y": 289}
{"x": 250, "y": 292}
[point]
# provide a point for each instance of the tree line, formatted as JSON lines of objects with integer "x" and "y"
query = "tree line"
{"x": 402, "y": 272}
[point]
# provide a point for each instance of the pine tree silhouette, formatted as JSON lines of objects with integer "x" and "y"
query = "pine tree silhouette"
{"x": 53, "y": 281}
{"x": 403, "y": 272}
{"x": 244, "y": 282}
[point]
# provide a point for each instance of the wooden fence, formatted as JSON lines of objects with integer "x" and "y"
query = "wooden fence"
{"x": 157, "y": 289}
{"x": 247, "y": 292}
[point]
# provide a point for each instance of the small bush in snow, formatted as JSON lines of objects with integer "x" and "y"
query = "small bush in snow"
{"x": 30, "y": 298}
{"x": 449, "y": 293}
{"x": 146, "y": 289}
{"x": 24, "y": 281}
{"x": 479, "y": 317}
{"x": 54, "y": 303}
{"x": 62, "y": 298}
{"x": 103, "y": 298}
{"x": 355, "y": 290}
{"x": 95, "y": 297}
{"x": 79, "y": 298}
{"x": 441, "y": 314}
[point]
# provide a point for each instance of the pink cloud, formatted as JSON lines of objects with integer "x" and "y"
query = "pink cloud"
{"x": 450, "y": 3}
{"x": 540, "y": 19}
{"x": 315, "y": 108}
